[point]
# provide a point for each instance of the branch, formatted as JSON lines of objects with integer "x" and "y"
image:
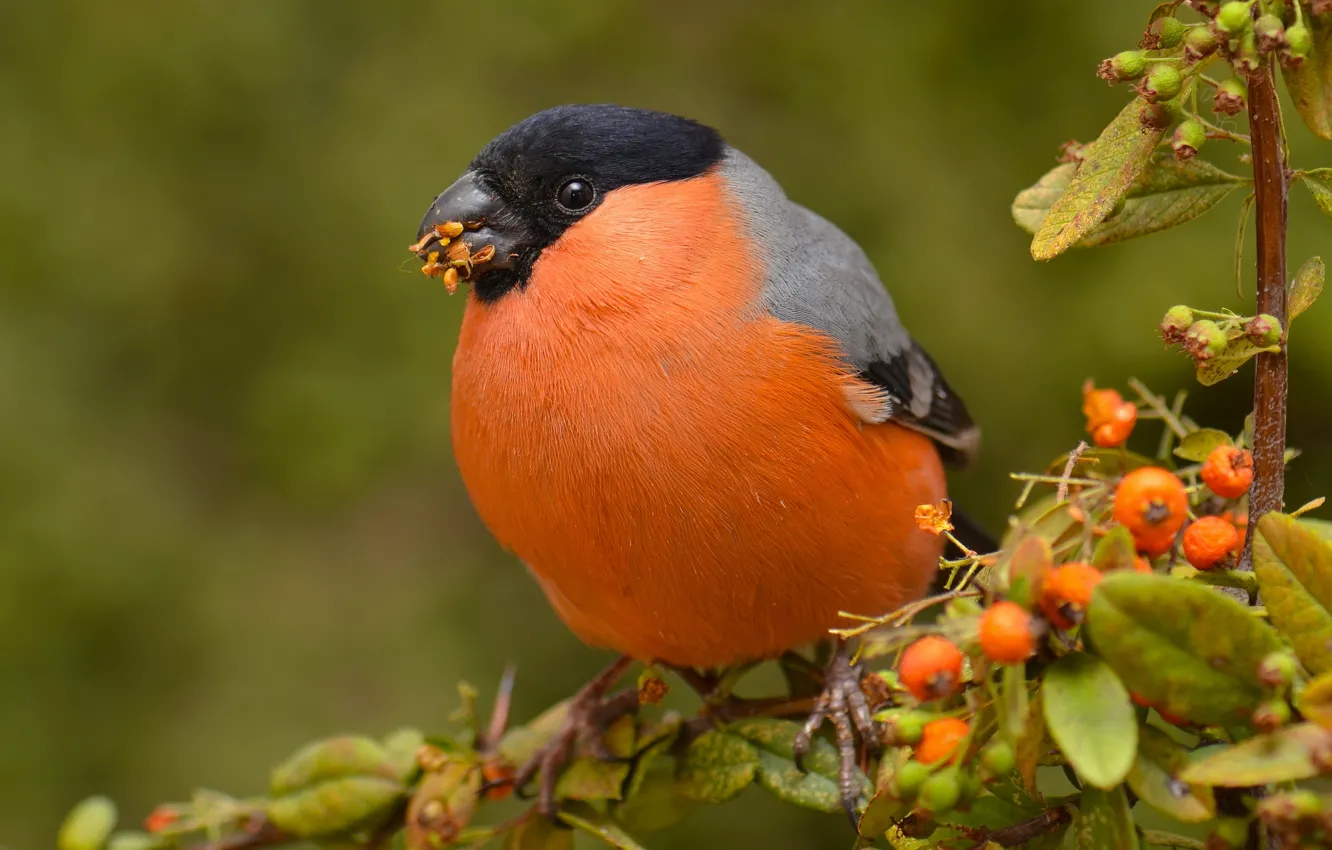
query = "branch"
{"x": 1270, "y": 385}
{"x": 1020, "y": 833}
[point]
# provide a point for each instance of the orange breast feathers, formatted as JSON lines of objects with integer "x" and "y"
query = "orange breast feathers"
{"x": 682, "y": 472}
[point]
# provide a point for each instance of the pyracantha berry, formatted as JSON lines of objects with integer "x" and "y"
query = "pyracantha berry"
{"x": 1230, "y": 97}
{"x": 1228, "y": 471}
{"x": 1189, "y": 137}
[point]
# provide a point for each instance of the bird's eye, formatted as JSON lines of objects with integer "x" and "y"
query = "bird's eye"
{"x": 576, "y": 195}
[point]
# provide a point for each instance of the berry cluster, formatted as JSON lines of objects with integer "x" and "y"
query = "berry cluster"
{"x": 1173, "y": 53}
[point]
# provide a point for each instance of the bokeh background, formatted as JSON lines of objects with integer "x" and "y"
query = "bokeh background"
{"x": 229, "y": 517}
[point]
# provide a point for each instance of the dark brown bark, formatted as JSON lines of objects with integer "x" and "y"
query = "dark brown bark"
{"x": 1269, "y": 390}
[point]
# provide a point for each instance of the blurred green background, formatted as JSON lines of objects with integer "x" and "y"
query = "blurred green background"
{"x": 229, "y": 517}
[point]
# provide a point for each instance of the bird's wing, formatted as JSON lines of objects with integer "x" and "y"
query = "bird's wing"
{"x": 828, "y": 283}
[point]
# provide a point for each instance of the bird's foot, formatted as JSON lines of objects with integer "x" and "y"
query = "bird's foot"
{"x": 590, "y": 711}
{"x": 843, "y": 704}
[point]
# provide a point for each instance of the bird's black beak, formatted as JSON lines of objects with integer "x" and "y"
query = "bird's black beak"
{"x": 469, "y": 232}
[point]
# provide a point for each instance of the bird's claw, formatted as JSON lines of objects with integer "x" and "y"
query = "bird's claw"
{"x": 590, "y": 712}
{"x": 844, "y": 704}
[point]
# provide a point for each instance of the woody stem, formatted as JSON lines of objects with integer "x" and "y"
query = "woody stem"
{"x": 1270, "y": 376}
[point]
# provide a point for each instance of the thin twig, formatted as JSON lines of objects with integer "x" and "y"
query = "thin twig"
{"x": 1062, "y": 493}
{"x": 1021, "y": 833}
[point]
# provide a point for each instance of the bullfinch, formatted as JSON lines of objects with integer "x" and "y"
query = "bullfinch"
{"x": 685, "y": 402}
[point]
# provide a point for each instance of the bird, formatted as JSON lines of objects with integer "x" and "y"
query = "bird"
{"x": 685, "y": 402}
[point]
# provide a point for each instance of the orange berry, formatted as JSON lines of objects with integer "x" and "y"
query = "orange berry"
{"x": 1005, "y": 633}
{"x": 498, "y": 776}
{"x": 1152, "y": 504}
{"x": 1228, "y": 471}
{"x": 1116, "y": 431}
{"x": 1110, "y": 419}
{"x": 1142, "y": 565}
{"x": 159, "y": 819}
{"x": 1067, "y": 591}
{"x": 940, "y": 740}
{"x": 1210, "y": 540}
{"x": 931, "y": 668}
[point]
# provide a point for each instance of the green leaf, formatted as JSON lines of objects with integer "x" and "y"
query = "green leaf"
{"x": 1090, "y": 717}
{"x": 814, "y": 788}
{"x": 88, "y": 825}
{"x": 1307, "y": 286}
{"x": 1197, "y": 445}
{"x": 1283, "y": 756}
{"x": 1158, "y": 193}
{"x": 1294, "y": 568}
{"x": 1239, "y": 350}
{"x": 884, "y": 808}
{"x": 592, "y": 777}
{"x": 1315, "y": 701}
{"x": 336, "y": 806}
{"x": 1104, "y": 820}
{"x": 1155, "y": 779}
{"x": 653, "y": 799}
{"x": 1319, "y": 183}
{"x": 594, "y": 823}
{"x": 1184, "y": 647}
{"x": 716, "y": 767}
{"x": 520, "y": 743}
{"x": 1031, "y": 561}
{"x": 1310, "y": 84}
{"x": 1115, "y": 551}
{"x": 537, "y": 832}
{"x": 345, "y": 755}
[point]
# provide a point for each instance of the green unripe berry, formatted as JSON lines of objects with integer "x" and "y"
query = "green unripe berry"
{"x": 999, "y": 758}
{"x": 1189, "y": 138}
{"x": 1264, "y": 330}
{"x": 1271, "y": 33}
{"x": 1231, "y": 97}
{"x": 1178, "y": 318}
{"x": 1234, "y": 18}
{"x": 1299, "y": 41}
{"x": 940, "y": 792}
{"x": 909, "y": 777}
{"x": 1129, "y": 65}
{"x": 1272, "y": 715}
{"x": 1205, "y": 339}
{"x": 1200, "y": 42}
{"x": 1277, "y": 669}
{"x": 1163, "y": 83}
{"x": 904, "y": 728}
{"x": 1171, "y": 32}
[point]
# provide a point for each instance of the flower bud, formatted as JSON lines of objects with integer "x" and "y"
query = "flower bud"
{"x": 1189, "y": 137}
{"x": 1163, "y": 83}
{"x": 1234, "y": 18}
{"x": 1231, "y": 96}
